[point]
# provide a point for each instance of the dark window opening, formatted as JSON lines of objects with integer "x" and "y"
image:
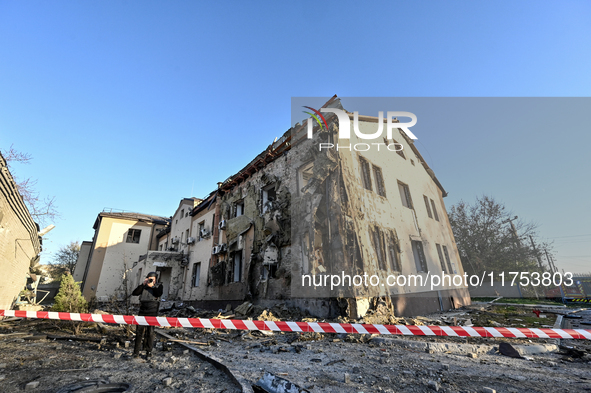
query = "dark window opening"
{"x": 419, "y": 255}
{"x": 381, "y": 188}
{"x": 365, "y": 173}
{"x": 434, "y": 210}
{"x": 133, "y": 235}
{"x": 427, "y": 206}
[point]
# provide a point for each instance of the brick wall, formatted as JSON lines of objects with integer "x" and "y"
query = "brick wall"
{"x": 19, "y": 240}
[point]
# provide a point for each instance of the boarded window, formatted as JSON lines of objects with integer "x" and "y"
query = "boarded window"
{"x": 196, "y": 274}
{"x": 441, "y": 261}
{"x": 419, "y": 255}
{"x": 405, "y": 195}
{"x": 427, "y": 206}
{"x": 447, "y": 259}
{"x": 365, "y": 173}
{"x": 133, "y": 235}
{"x": 380, "y": 187}
{"x": 434, "y": 210}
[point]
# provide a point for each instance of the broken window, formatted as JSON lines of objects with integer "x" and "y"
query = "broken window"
{"x": 380, "y": 187}
{"x": 239, "y": 208}
{"x": 399, "y": 152}
{"x": 378, "y": 246}
{"x": 202, "y": 230}
{"x": 405, "y": 195}
{"x": 427, "y": 206}
{"x": 305, "y": 173}
{"x": 447, "y": 259}
{"x": 365, "y": 173}
{"x": 419, "y": 254}
{"x": 269, "y": 196}
{"x": 269, "y": 271}
{"x": 393, "y": 251}
{"x": 133, "y": 235}
{"x": 434, "y": 210}
{"x": 237, "y": 267}
{"x": 441, "y": 261}
{"x": 196, "y": 274}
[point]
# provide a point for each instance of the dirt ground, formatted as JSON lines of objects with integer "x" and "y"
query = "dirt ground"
{"x": 318, "y": 363}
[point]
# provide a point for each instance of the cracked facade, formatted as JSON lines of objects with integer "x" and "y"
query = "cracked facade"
{"x": 297, "y": 210}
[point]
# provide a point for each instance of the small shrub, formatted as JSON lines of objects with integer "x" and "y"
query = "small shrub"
{"x": 69, "y": 298}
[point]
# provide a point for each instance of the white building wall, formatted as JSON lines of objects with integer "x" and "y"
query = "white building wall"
{"x": 120, "y": 254}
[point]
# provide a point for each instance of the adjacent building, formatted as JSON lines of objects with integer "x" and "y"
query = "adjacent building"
{"x": 20, "y": 243}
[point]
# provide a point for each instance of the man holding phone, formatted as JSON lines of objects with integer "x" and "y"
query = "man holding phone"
{"x": 149, "y": 294}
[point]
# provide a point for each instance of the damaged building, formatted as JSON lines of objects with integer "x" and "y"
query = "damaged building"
{"x": 298, "y": 214}
{"x": 20, "y": 241}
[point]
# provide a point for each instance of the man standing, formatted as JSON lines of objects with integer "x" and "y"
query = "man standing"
{"x": 149, "y": 295}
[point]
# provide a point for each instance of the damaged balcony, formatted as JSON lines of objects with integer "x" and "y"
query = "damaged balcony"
{"x": 164, "y": 258}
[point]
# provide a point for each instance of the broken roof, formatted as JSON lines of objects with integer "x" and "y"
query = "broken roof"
{"x": 123, "y": 215}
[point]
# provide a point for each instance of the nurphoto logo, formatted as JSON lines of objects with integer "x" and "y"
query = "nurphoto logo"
{"x": 345, "y": 128}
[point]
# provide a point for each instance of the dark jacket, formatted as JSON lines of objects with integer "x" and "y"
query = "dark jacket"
{"x": 149, "y": 299}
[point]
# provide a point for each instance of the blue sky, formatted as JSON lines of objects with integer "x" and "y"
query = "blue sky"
{"x": 134, "y": 105}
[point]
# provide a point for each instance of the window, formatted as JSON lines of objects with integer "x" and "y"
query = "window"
{"x": 441, "y": 261}
{"x": 365, "y": 173}
{"x": 393, "y": 251}
{"x": 160, "y": 247}
{"x": 380, "y": 187}
{"x": 269, "y": 196}
{"x": 182, "y": 213}
{"x": 237, "y": 267}
{"x": 447, "y": 259}
{"x": 201, "y": 230}
{"x": 196, "y": 274}
{"x": 187, "y": 236}
{"x": 427, "y": 206}
{"x": 305, "y": 173}
{"x": 133, "y": 235}
{"x": 239, "y": 208}
{"x": 419, "y": 254}
{"x": 269, "y": 271}
{"x": 405, "y": 195}
{"x": 434, "y": 210}
{"x": 377, "y": 239}
{"x": 400, "y": 152}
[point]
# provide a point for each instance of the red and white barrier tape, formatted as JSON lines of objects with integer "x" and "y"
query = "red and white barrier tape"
{"x": 303, "y": 327}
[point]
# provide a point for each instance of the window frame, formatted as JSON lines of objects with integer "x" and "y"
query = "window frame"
{"x": 365, "y": 168}
{"x": 196, "y": 275}
{"x": 405, "y": 196}
{"x": 426, "y": 199}
{"x": 379, "y": 178}
{"x": 130, "y": 238}
{"x": 420, "y": 258}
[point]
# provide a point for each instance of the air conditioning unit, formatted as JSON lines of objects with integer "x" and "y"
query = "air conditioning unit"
{"x": 204, "y": 233}
{"x": 222, "y": 224}
{"x": 174, "y": 240}
{"x": 190, "y": 240}
{"x": 223, "y": 247}
{"x": 215, "y": 250}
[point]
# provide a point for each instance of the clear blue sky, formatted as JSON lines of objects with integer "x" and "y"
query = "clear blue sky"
{"x": 135, "y": 105}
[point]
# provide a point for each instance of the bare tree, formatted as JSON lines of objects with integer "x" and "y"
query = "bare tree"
{"x": 66, "y": 257}
{"x": 491, "y": 238}
{"x": 42, "y": 209}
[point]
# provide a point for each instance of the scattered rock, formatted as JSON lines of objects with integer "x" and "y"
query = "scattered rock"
{"x": 32, "y": 385}
{"x": 472, "y": 355}
{"x": 433, "y": 385}
{"x": 167, "y": 381}
{"x": 347, "y": 378}
{"x": 117, "y": 356}
{"x": 488, "y": 390}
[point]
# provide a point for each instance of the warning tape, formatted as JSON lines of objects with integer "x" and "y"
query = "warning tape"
{"x": 305, "y": 327}
{"x": 579, "y": 300}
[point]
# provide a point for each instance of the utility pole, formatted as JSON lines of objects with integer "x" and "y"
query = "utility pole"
{"x": 536, "y": 252}
{"x": 515, "y": 235}
{"x": 550, "y": 262}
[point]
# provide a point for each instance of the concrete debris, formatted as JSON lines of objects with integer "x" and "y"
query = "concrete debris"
{"x": 167, "y": 381}
{"x": 244, "y": 309}
{"x": 347, "y": 378}
{"x": 508, "y": 350}
{"x": 488, "y": 390}
{"x": 273, "y": 384}
{"x": 433, "y": 385}
{"x": 32, "y": 385}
